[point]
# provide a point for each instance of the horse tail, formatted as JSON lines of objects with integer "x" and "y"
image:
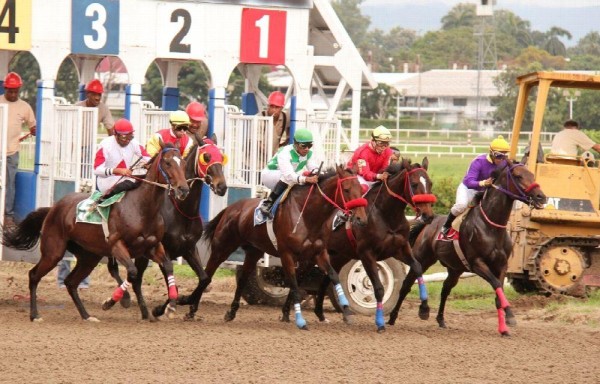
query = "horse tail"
{"x": 415, "y": 229}
{"x": 211, "y": 227}
{"x": 27, "y": 233}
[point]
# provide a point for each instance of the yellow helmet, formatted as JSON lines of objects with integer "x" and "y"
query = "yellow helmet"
{"x": 499, "y": 144}
{"x": 179, "y": 118}
{"x": 381, "y": 133}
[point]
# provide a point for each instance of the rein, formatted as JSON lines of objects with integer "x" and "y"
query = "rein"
{"x": 348, "y": 205}
{"x": 415, "y": 199}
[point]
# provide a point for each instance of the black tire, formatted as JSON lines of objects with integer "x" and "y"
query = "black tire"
{"x": 359, "y": 290}
{"x": 260, "y": 291}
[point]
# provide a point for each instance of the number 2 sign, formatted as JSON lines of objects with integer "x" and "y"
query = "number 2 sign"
{"x": 95, "y": 27}
{"x": 263, "y": 36}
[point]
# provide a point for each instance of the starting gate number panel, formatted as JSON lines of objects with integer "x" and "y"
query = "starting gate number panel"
{"x": 263, "y": 36}
{"x": 15, "y": 25}
{"x": 95, "y": 27}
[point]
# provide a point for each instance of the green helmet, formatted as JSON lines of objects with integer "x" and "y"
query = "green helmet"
{"x": 179, "y": 118}
{"x": 303, "y": 135}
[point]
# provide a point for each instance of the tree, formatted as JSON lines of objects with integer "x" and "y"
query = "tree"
{"x": 25, "y": 64}
{"x": 588, "y": 45}
{"x": 354, "y": 21}
{"x": 460, "y": 16}
{"x": 441, "y": 49}
{"x": 553, "y": 44}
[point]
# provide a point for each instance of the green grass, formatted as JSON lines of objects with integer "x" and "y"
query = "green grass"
{"x": 184, "y": 270}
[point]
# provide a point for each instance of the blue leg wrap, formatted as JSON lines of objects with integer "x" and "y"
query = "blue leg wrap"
{"x": 300, "y": 322}
{"x": 340, "y": 294}
{"x": 422, "y": 289}
{"x": 379, "y": 320}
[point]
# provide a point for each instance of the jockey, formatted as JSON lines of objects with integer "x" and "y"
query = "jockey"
{"x": 115, "y": 157}
{"x": 292, "y": 164}
{"x": 373, "y": 157}
{"x": 180, "y": 122}
{"x": 478, "y": 178}
{"x": 198, "y": 121}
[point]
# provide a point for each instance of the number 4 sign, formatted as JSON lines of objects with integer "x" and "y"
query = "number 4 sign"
{"x": 15, "y": 25}
{"x": 263, "y": 36}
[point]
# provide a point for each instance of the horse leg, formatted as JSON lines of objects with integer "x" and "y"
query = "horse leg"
{"x": 85, "y": 264}
{"x": 250, "y": 260}
{"x": 52, "y": 249}
{"x": 325, "y": 265}
{"x": 370, "y": 264}
{"x": 141, "y": 263}
{"x": 193, "y": 300}
{"x": 285, "y": 309}
{"x": 166, "y": 264}
{"x": 113, "y": 269}
{"x": 482, "y": 269}
{"x": 120, "y": 253}
{"x": 321, "y": 298}
{"x": 407, "y": 284}
{"x": 287, "y": 262}
{"x": 449, "y": 283}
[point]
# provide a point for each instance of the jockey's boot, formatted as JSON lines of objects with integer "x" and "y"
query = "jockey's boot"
{"x": 266, "y": 205}
{"x": 448, "y": 224}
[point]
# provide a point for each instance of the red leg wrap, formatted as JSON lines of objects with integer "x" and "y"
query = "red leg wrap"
{"x": 503, "y": 302}
{"x": 502, "y": 328}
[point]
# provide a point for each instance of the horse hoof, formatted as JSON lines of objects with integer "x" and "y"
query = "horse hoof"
{"x": 92, "y": 319}
{"x": 391, "y": 322}
{"x": 505, "y": 334}
{"x": 284, "y": 319}
{"x": 511, "y": 322}
{"x": 229, "y": 317}
{"x": 442, "y": 324}
{"x": 380, "y": 329}
{"x": 348, "y": 320}
{"x": 170, "y": 312}
{"x": 125, "y": 301}
{"x": 424, "y": 315}
{"x": 37, "y": 320}
{"x": 108, "y": 304}
{"x": 304, "y": 328}
{"x": 324, "y": 320}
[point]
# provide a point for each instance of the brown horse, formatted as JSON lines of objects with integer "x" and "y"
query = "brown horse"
{"x": 135, "y": 229}
{"x": 483, "y": 240}
{"x": 183, "y": 224}
{"x": 387, "y": 233}
{"x": 301, "y": 228}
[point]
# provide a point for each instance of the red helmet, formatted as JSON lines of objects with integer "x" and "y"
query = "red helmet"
{"x": 12, "y": 80}
{"x": 123, "y": 126}
{"x": 196, "y": 111}
{"x": 94, "y": 86}
{"x": 277, "y": 99}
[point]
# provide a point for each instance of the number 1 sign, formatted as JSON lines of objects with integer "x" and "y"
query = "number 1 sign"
{"x": 263, "y": 36}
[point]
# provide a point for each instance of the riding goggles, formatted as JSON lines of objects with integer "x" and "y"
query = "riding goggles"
{"x": 380, "y": 143}
{"x": 499, "y": 155}
{"x": 305, "y": 145}
{"x": 127, "y": 136}
{"x": 182, "y": 127}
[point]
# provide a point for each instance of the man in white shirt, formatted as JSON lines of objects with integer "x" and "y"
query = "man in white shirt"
{"x": 570, "y": 139}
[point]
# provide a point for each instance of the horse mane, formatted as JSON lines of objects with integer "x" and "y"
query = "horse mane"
{"x": 416, "y": 227}
{"x": 331, "y": 172}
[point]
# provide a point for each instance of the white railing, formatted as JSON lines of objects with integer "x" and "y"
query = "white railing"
{"x": 329, "y": 138}
{"x": 152, "y": 119}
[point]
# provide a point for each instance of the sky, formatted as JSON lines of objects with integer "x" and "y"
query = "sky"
{"x": 579, "y": 17}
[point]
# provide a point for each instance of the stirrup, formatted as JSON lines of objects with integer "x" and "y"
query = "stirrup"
{"x": 445, "y": 231}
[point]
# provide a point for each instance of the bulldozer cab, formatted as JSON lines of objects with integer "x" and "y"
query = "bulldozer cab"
{"x": 555, "y": 249}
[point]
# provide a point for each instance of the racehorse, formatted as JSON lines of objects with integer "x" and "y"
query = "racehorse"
{"x": 134, "y": 229}
{"x": 387, "y": 233}
{"x": 299, "y": 228}
{"x": 483, "y": 240}
{"x": 183, "y": 225}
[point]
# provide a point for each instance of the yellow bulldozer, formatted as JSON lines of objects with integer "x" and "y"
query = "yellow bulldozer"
{"x": 555, "y": 249}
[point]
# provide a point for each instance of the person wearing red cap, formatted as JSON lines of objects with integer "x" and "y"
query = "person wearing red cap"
{"x": 20, "y": 116}
{"x": 281, "y": 121}
{"x": 93, "y": 94}
{"x": 198, "y": 121}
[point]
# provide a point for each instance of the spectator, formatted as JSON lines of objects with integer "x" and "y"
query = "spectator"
{"x": 281, "y": 121}
{"x": 570, "y": 139}
{"x": 20, "y": 116}
{"x": 93, "y": 93}
{"x": 198, "y": 121}
{"x": 373, "y": 157}
{"x": 176, "y": 135}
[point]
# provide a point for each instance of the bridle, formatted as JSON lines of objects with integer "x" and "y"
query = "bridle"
{"x": 348, "y": 205}
{"x": 414, "y": 199}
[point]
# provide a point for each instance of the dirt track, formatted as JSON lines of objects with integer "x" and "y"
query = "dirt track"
{"x": 258, "y": 348}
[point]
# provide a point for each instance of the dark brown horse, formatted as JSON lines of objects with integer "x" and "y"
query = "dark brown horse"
{"x": 483, "y": 240}
{"x": 386, "y": 235}
{"x": 301, "y": 228}
{"x": 135, "y": 229}
{"x": 183, "y": 224}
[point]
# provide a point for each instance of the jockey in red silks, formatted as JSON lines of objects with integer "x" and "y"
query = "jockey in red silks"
{"x": 176, "y": 135}
{"x": 373, "y": 157}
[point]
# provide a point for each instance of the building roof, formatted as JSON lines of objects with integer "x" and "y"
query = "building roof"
{"x": 449, "y": 83}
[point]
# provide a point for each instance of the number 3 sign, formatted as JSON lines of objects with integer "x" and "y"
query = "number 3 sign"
{"x": 263, "y": 36}
{"x": 95, "y": 27}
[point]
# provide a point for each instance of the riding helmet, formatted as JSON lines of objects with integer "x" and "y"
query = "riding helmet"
{"x": 303, "y": 135}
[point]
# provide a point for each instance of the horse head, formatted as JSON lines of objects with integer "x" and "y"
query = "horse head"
{"x": 519, "y": 182}
{"x": 414, "y": 186}
{"x": 170, "y": 169}
{"x": 351, "y": 195}
{"x": 209, "y": 165}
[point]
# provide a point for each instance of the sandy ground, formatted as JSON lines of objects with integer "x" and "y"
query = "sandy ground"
{"x": 257, "y": 348}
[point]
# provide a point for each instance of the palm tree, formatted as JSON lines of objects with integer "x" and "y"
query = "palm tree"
{"x": 588, "y": 45}
{"x": 462, "y": 15}
{"x": 553, "y": 45}
{"x": 514, "y": 26}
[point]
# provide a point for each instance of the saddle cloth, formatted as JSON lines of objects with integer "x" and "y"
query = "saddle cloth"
{"x": 259, "y": 218}
{"x": 90, "y": 212}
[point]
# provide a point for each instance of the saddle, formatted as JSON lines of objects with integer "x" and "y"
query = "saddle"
{"x": 89, "y": 211}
